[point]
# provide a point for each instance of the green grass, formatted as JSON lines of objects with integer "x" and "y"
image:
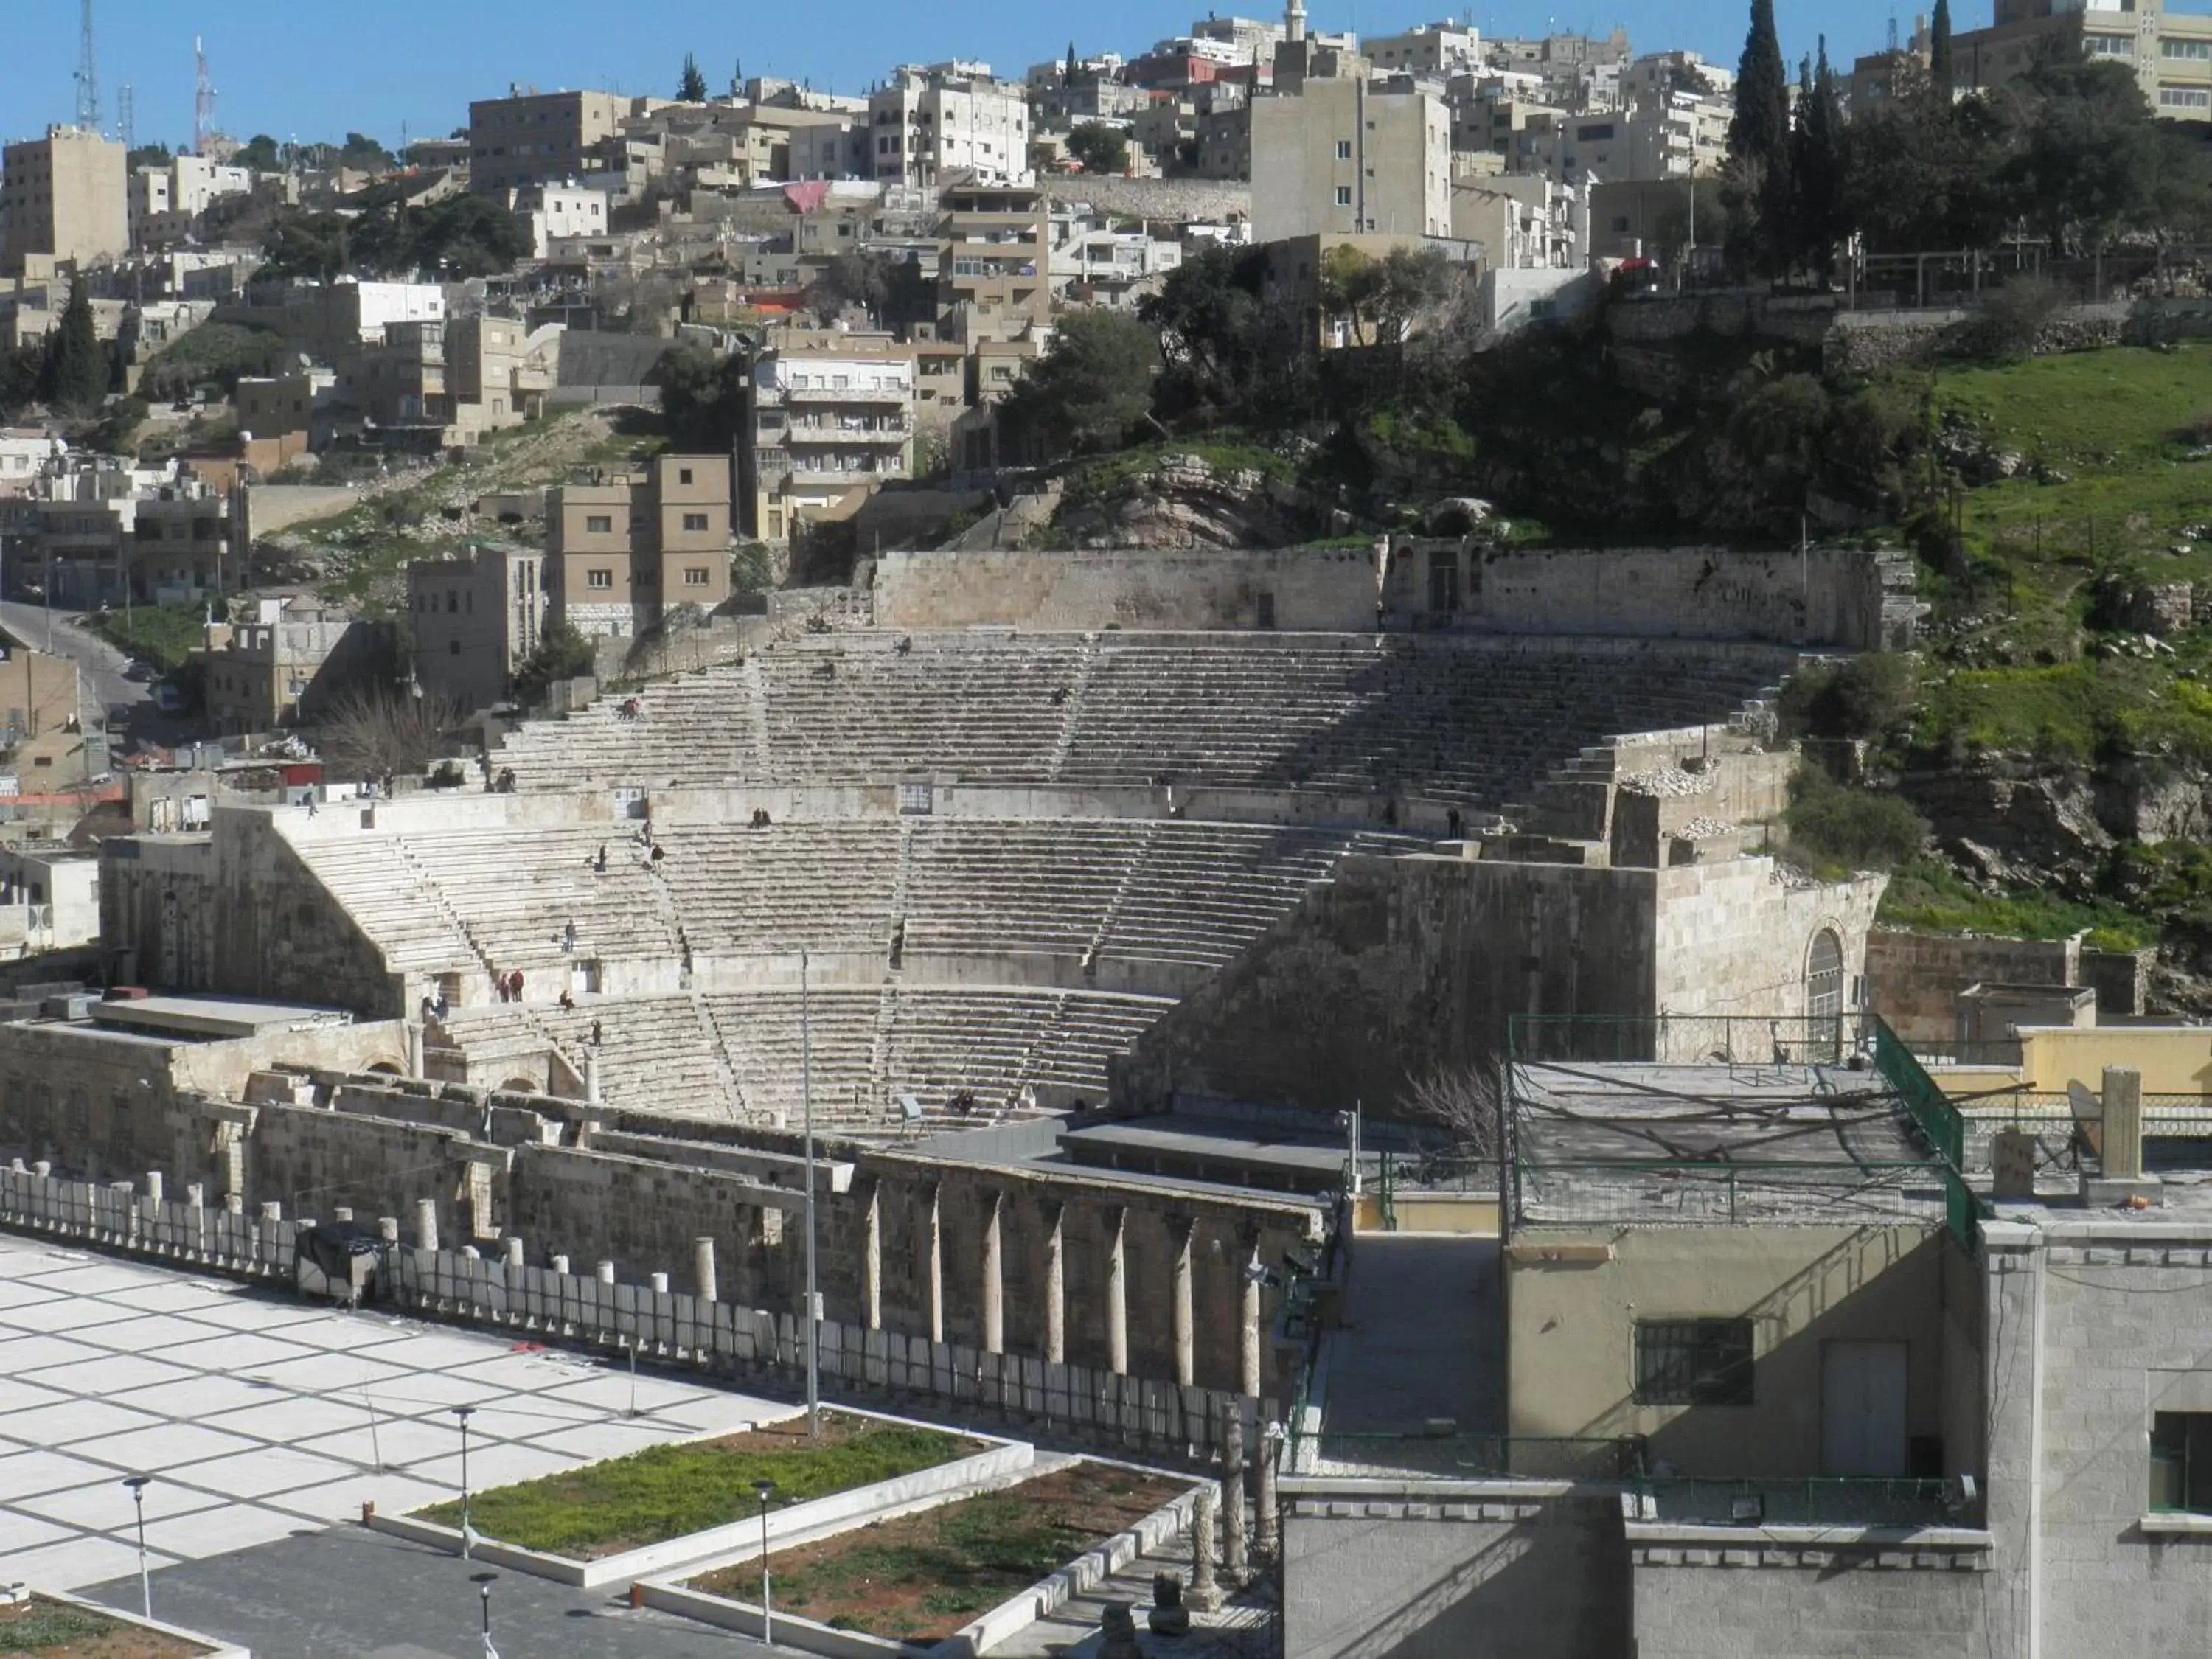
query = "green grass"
{"x": 164, "y": 635}
{"x": 668, "y": 1492}
{"x": 49, "y": 1626}
{"x": 1929, "y": 898}
{"x": 1126, "y": 468}
{"x": 2068, "y": 712}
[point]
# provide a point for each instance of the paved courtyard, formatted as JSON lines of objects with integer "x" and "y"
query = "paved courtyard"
{"x": 259, "y": 1417}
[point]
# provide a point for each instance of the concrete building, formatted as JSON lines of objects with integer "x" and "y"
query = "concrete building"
{"x": 44, "y": 744}
{"x": 474, "y": 619}
{"x": 63, "y": 196}
{"x": 1523, "y": 221}
{"x": 622, "y": 553}
{"x": 2169, "y": 51}
{"x": 282, "y": 406}
{"x": 527, "y": 140}
{"x": 49, "y": 898}
{"x": 994, "y": 278}
{"x": 1446, "y": 48}
{"x": 829, "y": 427}
{"x": 283, "y": 665}
{"x": 947, "y": 122}
{"x": 1337, "y": 157}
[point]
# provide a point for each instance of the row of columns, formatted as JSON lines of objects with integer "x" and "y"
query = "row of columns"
{"x": 1183, "y": 1310}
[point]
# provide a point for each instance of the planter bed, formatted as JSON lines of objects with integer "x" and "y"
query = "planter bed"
{"x": 920, "y": 1578}
{"x": 48, "y": 1627}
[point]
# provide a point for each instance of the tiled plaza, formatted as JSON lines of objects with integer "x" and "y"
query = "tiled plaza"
{"x": 258, "y": 1416}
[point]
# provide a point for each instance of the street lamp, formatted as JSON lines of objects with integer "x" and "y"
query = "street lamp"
{"x": 483, "y": 1582}
{"x": 765, "y": 1490}
{"x": 468, "y": 1533}
{"x": 138, "y": 1483}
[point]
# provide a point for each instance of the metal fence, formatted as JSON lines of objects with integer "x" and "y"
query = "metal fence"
{"x": 1652, "y": 1192}
{"x": 1741, "y": 1040}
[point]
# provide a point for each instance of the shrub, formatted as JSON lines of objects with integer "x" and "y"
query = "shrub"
{"x": 1834, "y": 828}
{"x": 1862, "y": 697}
{"x": 2010, "y": 320}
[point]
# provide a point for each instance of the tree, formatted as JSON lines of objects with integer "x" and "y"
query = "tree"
{"x": 21, "y": 372}
{"x": 308, "y": 245}
{"x": 702, "y": 397}
{"x": 1228, "y": 351}
{"x": 561, "y": 653}
{"x": 1071, "y": 69}
{"x": 77, "y": 368}
{"x": 691, "y": 88}
{"x": 2086, "y": 160}
{"x": 1816, "y": 167}
{"x": 1090, "y": 387}
{"x": 259, "y": 154}
{"x": 147, "y": 155}
{"x": 1759, "y": 130}
{"x": 1940, "y": 69}
{"x": 1098, "y": 148}
{"x": 363, "y": 153}
{"x": 1461, "y": 1100}
{"x": 379, "y": 731}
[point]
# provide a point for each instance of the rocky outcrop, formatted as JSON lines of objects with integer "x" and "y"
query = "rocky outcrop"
{"x": 2012, "y": 820}
{"x": 1185, "y": 501}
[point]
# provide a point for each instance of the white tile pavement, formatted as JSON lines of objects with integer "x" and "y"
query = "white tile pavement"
{"x": 258, "y": 1416}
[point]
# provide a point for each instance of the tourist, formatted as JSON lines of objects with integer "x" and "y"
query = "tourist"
{"x": 568, "y": 938}
{"x": 514, "y": 983}
{"x": 499, "y": 984}
{"x": 568, "y": 1003}
{"x": 602, "y": 861}
{"x": 595, "y": 1034}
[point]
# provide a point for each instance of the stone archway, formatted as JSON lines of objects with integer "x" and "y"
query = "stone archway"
{"x": 1824, "y": 976}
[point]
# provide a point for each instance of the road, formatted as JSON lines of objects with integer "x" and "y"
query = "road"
{"x": 100, "y": 663}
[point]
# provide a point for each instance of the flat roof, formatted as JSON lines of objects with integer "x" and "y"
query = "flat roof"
{"x": 1249, "y": 1145}
{"x": 214, "y": 1016}
{"x": 1658, "y": 1143}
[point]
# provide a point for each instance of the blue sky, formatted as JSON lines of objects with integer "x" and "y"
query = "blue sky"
{"x": 315, "y": 69}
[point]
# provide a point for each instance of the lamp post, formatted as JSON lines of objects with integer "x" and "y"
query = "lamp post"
{"x": 765, "y": 1490}
{"x": 483, "y": 1582}
{"x": 138, "y": 1483}
{"x": 468, "y": 1533}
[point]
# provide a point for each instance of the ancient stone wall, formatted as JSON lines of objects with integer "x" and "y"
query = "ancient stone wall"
{"x": 1320, "y": 590}
{"x": 280, "y": 935}
{"x": 1180, "y": 201}
{"x": 1913, "y": 979}
{"x": 158, "y": 915}
{"x": 1847, "y": 599}
{"x": 1734, "y": 937}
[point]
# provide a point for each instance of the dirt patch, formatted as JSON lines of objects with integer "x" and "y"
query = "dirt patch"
{"x": 922, "y": 1576}
{"x": 52, "y": 1630}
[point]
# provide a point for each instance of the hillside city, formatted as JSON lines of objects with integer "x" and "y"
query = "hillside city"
{"x": 1290, "y": 845}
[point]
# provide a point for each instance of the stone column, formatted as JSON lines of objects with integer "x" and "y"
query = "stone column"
{"x": 387, "y": 1229}
{"x": 425, "y": 1224}
{"x": 1204, "y": 1594}
{"x": 659, "y": 1283}
{"x": 414, "y": 1050}
{"x": 2122, "y": 1159}
{"x": 1233, "y": 1570}
{"x": 1055, "y": 1285}
{"x": 871, "y": 1257}
{"x": 1117, "y": 1292}
{"x": 1248, "y": 1327}
{"x": 606, "y": 1273}
{"x": 933, "y": 1246}
{"x": 514, "y": 1253}
{"x": 153, "y": 1186}
{"x": 1271, "y": 1519}
{"x": 702, "y": 1270}
{"x": 592, "y": 1076}
{"x": 994, "y": 1275}
{"x": 561, "y": 1265}
{"x": 1182, "y": 1231}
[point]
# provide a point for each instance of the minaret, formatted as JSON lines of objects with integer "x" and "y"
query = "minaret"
{"x": 1294, "y": 20}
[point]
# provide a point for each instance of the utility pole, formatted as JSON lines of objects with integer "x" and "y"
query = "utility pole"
{"x": 88, "y": 74}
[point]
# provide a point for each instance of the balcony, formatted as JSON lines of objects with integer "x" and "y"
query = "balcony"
{"x": 847, "y": 394}
{"x": 818, "y": 432}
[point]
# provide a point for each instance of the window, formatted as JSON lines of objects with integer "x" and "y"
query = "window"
{"x": 2184, "y": 97}
{"x": 600, "y": 524}
{"x": 683, "y": 475}
{"x": 1343, "y": 196}
{"x": 695, "y": 521}
{"x": 1344, "y": 150}
{"x": 1693, "y": 1361}
{"x": 2197, "y": 50}
{"x": 452, "y": 648}
{"x": 2181, "y": 1462}
{"x": 694, "y": 578}
{"x": 2109, "y": 45}
{"x": 599, "y": 579}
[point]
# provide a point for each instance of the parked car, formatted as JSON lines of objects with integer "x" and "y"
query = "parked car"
{"x": 168, "y": 698}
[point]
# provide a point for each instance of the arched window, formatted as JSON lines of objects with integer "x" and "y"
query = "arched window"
{"x": 1824, "y": 976}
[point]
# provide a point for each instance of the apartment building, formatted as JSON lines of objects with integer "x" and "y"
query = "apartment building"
{"x": 528, "y": 139}
{"x": 182, "y": 547}
{"x": 1446, "y": 48}
{"x": 64, "y": 196}
{"x": 283, "y": 665}
{"x": 1524, "y": 221}
{"x": 451, "y": 380}
{"x": 2170, "y": 51}
{"x": 830, "y": 419}
{"x": 280, "y": 406}
{"x": 1574, "y": 71}
{"x": 994, "y": 278}
{"x": 949, "y": 121}
{"x": 42, "y": 727}
{"x": 1339, "y": 157}
{"x": 625, "y": 549}
{"x": 474, "y": 619}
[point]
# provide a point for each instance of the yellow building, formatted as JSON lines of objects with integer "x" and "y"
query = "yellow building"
{"x": 623, "y": 552}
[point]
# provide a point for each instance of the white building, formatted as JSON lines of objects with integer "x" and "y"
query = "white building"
{"x": 1446, "y": 48}
{"x": 930, "y": 126}
{"x": 826, "y": 428}
{"x": 1340, "y": 158}
{"x": 559, "y": 211}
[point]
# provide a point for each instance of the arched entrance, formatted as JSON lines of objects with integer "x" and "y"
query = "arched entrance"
{"x": 1824, "y": 976}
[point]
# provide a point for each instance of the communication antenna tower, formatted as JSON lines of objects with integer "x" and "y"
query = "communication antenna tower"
{"x": 126, "y": 115}
{"x": 88, "y": 76}
{"x": 202, "y": 99}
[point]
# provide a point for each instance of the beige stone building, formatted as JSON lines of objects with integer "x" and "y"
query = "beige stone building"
{"x": 1340, "y": 157}
{"x": 531, "y": 139}
{"x": 994, "y": 277}
{"x": 623, "y": 552}
{"x": 281, "y": 667}
{"x": 928, "y": 126}
{"x": 2170, "y": 51}
{"x": 474, "y": 619}
{"x": 64, "y": 196}
{"x": 42, "y": 740}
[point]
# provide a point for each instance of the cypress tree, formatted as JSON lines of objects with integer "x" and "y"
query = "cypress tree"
{"x": 1760, "y": 130}
{"x": 77, "y": 371}
{"x": 1940, "y": 62}
{"x": 692, "y": 88}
